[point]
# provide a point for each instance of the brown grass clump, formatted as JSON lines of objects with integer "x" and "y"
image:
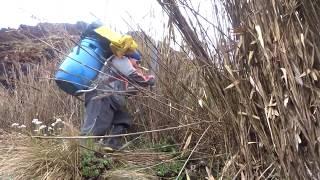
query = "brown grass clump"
{"x": 26, "y": 158}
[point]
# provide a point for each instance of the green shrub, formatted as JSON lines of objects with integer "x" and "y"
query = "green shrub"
{"x": 92, "y": 166}
{"x": 169, "y": 169}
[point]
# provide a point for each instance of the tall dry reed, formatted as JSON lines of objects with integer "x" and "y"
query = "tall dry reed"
{"x": 262, "y": 81}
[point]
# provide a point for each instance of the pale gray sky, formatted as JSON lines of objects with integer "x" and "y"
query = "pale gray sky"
{"x": 146, "y": 13}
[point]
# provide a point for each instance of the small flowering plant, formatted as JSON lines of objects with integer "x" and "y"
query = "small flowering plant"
{"x": 14, "y": 125}
{"x": 39, "y": 128}
{"x": 37, "y": 125}
{"x": 18, "y": 127}
{"x": 56, "y": 127}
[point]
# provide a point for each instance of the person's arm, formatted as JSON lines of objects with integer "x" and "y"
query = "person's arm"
{"x": 141, "y": 80}
{"x": 138, "y": 77}
{"x": 130, "y": 70}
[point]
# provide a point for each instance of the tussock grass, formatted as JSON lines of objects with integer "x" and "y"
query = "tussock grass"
{"x": 26, "y": 158}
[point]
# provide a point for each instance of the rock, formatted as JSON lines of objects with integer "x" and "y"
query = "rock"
{"x": 128, "y": 175}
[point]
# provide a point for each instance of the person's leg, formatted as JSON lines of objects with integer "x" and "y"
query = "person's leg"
{"x": 98, "y": 116}
{"x": 122, "y": 118}
{"x": 121, "y": 122}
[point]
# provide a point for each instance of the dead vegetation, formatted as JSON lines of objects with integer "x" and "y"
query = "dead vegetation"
{"x": 267, "y": 90}
{"x": 26, "y": 158}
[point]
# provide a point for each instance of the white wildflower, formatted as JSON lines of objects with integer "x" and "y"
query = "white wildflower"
{"x": 38, "y": 123}
{"x": 58, "y": 120}
{"x": 42, "y": 127}
{"x": 200, "y": 101}
{"x": 22, "y": 126}
{"x": 260, "y": 144}
{"x": 53, "y": 124}
{"x": 14, "y": 124}
{"x": 34, "y": 121}
{"x": 137, "y": 111}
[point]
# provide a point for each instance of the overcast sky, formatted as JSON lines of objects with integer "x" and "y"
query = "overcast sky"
{"x": 146, "y": 13}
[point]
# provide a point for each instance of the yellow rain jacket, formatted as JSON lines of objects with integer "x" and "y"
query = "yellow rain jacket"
{"x": 119, "y": 44}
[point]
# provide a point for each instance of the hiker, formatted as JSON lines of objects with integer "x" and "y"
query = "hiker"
{"x": 106, "y": 112}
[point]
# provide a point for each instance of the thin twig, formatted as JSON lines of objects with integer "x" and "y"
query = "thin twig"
{"x": 185, "y": 163}
{"x": 119, "y": 135}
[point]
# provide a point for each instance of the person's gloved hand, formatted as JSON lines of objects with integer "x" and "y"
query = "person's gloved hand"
{"x": 151, "y": 80}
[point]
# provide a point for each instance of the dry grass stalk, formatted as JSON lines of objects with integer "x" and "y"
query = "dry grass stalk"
{"x": 30, "y": 91}
{"x": 272, "y": 96}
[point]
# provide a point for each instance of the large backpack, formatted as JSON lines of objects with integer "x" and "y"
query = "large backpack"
{"x": 82, "y": 65}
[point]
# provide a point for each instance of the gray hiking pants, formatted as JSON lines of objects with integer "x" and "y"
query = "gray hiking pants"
{"x": 104, "y": 113}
